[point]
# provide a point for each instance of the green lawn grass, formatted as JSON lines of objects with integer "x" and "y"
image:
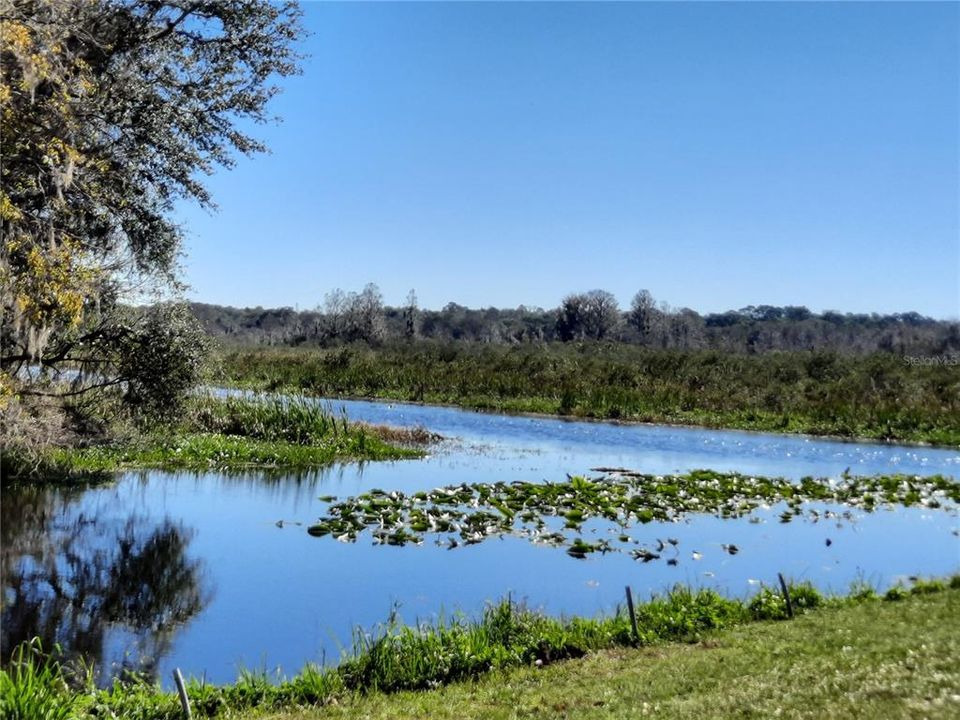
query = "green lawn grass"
{"x": 872, "y": 660}
{"x": 842, "y": 656}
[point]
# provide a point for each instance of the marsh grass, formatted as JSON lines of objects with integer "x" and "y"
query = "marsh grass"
{"x": 416, "y": 436}
{"x": 874, "y": 396}
{"x": 396, "y": 658}
{"x": 227, "y": 433}
{"x": 213, "y": 451}
{"x": 293, "y": 419}
{"x": 296, "y": 419}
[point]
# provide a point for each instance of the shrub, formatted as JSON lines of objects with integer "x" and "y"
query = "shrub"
{"x": 897, "y": 592}
{"x": 925, "y": 587}
{"x": 768, "y": 605}
{"x": 805, "y": 596}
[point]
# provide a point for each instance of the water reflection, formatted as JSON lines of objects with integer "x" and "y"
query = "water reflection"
{"x": 81, "y": 578}
{"x": 124, "y": 573}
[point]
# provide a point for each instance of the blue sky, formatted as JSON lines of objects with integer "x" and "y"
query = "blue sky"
{"x": 498, "y": 154}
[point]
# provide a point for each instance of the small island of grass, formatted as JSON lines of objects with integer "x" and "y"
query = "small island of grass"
{"x": 223, "y": 434}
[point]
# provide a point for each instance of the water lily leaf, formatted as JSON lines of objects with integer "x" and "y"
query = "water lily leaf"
{"x": 480, "y": 511}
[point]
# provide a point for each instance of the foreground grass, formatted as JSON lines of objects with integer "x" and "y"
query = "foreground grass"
{"x": 872, "y": 660}
{"x": 395, "y": 660}
{"x": 874, "y": 397}
{"x": 230, "y": 433}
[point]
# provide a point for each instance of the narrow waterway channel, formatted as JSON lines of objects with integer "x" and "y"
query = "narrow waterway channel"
{"x": 214, "y": 572}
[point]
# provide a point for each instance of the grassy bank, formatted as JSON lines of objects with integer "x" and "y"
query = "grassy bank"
{"x": 878, "y": 396}
{"x": 874, "y": 660}
{"x": 228, "y": 433}
{"x": 915, "y": 623}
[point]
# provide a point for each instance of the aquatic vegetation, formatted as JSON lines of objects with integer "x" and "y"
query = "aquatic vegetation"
{"x": 417, "y": 435}
{"x": 555, "y": 513}
{"x": 293, "y": 419}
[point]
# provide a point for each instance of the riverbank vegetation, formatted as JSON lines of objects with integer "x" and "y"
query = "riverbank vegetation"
{"x": 871, "y": 660}
{"x": 220, "y": 433}
{"x": 838, "y": 633}
{"x": 877, "y": 396}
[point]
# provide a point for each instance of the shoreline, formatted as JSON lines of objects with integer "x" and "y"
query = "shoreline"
{"x": 607, "y": 421}
{"x": 506, "y": 641}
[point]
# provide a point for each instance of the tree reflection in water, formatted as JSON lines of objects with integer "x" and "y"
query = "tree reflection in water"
{"x": 107, "y": 585}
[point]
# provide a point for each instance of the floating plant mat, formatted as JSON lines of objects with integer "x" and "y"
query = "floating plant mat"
{"x": 555, "y": 513}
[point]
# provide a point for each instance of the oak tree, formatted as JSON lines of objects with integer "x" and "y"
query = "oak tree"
{"x": 111, "y": 111}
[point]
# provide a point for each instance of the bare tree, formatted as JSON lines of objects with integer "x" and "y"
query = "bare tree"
{"x": 643, "y": 314}
{"x": 602, "y": 314}
{"x": 335, "y": 313}
{"x": 365, "y": 314}
{"x": 594, "y": 314}
{"x": 411, "y": 316}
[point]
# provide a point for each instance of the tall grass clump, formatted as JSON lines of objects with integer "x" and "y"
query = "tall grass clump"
{"x": 685, "y": 614}
{"x": 397, "y": 657}
{"x": 32, "y": 687}
{"x": 294, "y": 419}
{"x": 298, "y": 420}
{"x": 770, "y": 604}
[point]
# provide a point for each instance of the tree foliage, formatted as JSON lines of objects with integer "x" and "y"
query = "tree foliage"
{"x": 647, "y": 323}
{"x": 113, "y": 110}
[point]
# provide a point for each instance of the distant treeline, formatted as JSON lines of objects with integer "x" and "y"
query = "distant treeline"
{"x": 346, "y": 317}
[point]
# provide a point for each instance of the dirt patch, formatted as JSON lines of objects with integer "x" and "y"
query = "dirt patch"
{"x": 418, "y": 435}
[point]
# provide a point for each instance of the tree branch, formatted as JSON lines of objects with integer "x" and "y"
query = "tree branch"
{"x": 71, "y": 393}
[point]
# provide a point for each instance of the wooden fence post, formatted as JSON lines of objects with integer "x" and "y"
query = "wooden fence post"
{"x": 786, "y": 594}
{"x": 633, "y": 616}
{"x": 182, "y": 692}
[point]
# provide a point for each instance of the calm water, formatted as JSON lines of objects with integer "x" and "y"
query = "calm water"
{"x": 214, "y": 572}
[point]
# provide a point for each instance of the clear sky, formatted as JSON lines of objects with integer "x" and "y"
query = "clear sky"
{"x": 498, "y": 154}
